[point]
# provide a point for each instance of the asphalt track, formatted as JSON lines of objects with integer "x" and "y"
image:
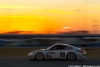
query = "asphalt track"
{"x": 23, "y": 62}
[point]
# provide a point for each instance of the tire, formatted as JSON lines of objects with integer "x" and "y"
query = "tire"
{"x": 39, "y": 56}
{"x": 71, "y": 56}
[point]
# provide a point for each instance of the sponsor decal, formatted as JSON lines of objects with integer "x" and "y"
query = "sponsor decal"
{"x": 77, "y": 50}
{"x": 48, "y": 56}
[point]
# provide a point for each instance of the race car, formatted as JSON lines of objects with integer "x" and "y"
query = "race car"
{"x": 58, "y": 51}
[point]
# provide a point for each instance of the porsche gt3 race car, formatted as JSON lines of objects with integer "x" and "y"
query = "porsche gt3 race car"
{"x": 58, "y": 51}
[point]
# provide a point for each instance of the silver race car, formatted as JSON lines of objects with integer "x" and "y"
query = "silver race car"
{"x": 58, "y": 51}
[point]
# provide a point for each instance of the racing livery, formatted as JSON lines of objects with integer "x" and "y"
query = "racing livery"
{"x": 58, "y": 51}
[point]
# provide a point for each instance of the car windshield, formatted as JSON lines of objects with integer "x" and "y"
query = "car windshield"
{"x": 48, "y": 48}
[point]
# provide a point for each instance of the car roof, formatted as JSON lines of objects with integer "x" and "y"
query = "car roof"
{"x": 62, "y": 44}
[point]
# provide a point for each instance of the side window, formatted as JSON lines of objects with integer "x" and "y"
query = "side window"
{"x": 67, "y": 48}
{"x": 57, "y": 47}
{"x": 52, "y": 48}
{"x": 61, "y": 47}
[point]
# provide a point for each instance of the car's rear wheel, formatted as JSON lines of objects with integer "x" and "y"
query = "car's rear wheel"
{"x": 71, "y": 56}
{"x": 39, "y": 56}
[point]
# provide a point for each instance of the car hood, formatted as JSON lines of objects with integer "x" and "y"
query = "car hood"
{"x": 40, "y": 50}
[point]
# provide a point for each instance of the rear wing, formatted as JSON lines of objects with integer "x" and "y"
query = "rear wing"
{"x": 83, "y": 48}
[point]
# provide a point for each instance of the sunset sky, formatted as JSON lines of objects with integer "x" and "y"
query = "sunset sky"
{"x": 41, "y": 15}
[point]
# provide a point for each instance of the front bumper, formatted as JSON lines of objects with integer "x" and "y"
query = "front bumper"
{"x": 31, "y": 56}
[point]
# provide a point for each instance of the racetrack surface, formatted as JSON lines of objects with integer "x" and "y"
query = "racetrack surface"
{"x": 23, "y": 62}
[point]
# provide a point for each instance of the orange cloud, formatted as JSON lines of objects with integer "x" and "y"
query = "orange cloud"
{"x": 10, "y": 6}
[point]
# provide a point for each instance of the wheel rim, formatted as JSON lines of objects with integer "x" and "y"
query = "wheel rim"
{"x": 71, "y": 56}
{"x": 39, "y": 56}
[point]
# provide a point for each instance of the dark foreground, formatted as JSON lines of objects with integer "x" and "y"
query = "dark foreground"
{"x": 22, "y": 62}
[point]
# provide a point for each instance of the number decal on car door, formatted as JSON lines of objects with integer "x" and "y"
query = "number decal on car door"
{"x": 62, "y": 54}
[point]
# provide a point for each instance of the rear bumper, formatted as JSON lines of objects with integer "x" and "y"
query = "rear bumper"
{"x": 80, "y": 56}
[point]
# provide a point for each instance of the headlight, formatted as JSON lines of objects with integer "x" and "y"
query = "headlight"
{"x": 32, "y": 52}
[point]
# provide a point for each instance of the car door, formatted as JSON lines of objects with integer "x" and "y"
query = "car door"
{"x": 63, "y": 51}
{"x": 53, "y": 52}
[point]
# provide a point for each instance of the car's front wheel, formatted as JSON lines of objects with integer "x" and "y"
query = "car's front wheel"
{"x": 71, "y": 56}
{"x": 39, "y": 56}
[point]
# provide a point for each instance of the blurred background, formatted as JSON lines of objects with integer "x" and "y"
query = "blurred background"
{"x": 49, "y": 16}
{"x": 21, "y": 20}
